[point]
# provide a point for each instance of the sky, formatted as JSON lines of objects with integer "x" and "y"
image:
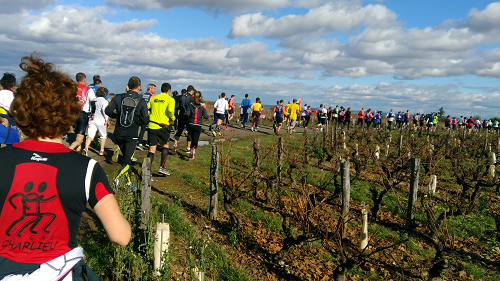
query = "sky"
{"x": 402, "y": 55}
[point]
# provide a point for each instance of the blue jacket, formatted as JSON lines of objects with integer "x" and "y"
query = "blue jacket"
{"x": 246, "y": 104}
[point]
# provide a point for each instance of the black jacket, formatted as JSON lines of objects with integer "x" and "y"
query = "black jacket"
{"x": 113, "y": 110}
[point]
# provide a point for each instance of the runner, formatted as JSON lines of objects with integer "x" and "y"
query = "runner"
{"x": 245, "y": 107}
{"x": 390, "y": 119}
{"x": 341, "y": 118}
{"x": 294, "y": 112}
{"x": 347, "y": 117}
{"x": 469, "y": 123}
{"x": 335, "y": 116}
{"x": 162, "y": 111}
{"x": 302, "y": 114}
{"x": 454, "y": 124}
{"x": 220, "y": 106}
{"x": 377, "y": 119}
{"x": 175, "y": 94}
{"x": 307, "y": 116}
{"x": 406, "y": 118}
{"x": 287, "y": 113}
{"x": 256, "y": 111}
{"x": 8, "y": 130}
{"x": 368, "y": 118}
{"x": 146, "y": 96}
{"x": 361, "y": 118}
{"x": 447, "y": 123}
{"x": 231, "y": 110}
{"x": 422, "y": 121}
{"x": 279, "y": 111}
{"x": 98, "y": 123}
{"x": 87, "y": 99}
{"x": 46, "y": 186}
{"x": 183, "y": 108}
{"x": 126, "y": 129}
{"x": 197, "y": 112}
{"x": 321, "y": 113}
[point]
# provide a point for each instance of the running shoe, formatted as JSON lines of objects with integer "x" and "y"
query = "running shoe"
{"x": 140, "y": 147}
{"x": 85, "y": 152}
{"x": 102, "y": 152}
{"x": 164, "y": 171}
{"x": 227, "y": 128}
{"x": 220, "y": 134}
{"x": 134, "y": 159}
{"x": 188, "y": 150}
{"x": 186, "y": 133}
{"x": 214, "y": 133}
{"x": 116, "y": 182}
{"x": 251, "y": 129}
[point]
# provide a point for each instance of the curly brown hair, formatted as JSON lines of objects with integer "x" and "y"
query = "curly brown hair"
{"x": 45, "y": 105}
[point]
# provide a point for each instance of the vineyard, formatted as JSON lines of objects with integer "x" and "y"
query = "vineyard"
{"x": 432, "y": 200}
{"x": 292, "y": 208}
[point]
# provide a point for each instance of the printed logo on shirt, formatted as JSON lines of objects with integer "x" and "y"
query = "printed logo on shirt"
{"x": 37, "y": 158}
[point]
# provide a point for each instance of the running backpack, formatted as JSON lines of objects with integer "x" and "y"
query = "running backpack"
{"x": 127, "y": 113}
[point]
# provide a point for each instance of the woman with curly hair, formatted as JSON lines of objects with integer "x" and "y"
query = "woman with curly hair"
{"x": 45, "y": 186}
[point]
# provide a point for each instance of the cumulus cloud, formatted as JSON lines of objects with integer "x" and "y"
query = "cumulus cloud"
{"x": 15, "y": 6}
{"x": 213, "y": 5}
{"x": 486, "y": 20}
{"x": 331, "y": 17}
{"x": 80, "y": 39}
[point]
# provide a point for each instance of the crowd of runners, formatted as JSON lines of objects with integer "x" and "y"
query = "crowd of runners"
{"x": 167, "y": 115}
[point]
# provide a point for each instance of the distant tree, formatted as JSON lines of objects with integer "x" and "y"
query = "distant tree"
{"x": 441, "y": 112}
{"x": 477, "y": 116}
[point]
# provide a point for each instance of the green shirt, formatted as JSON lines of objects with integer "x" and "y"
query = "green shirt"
{"x": 161, "y": 108}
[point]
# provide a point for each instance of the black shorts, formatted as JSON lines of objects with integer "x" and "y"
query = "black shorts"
{"x": 230, "y": 111}
{"x": 81, "y": 123}
{"x": 220, "y": 116}
{"x": 279, "y": 120}
{"x": 322, "y": 121}
{"x": 158, "y": 136}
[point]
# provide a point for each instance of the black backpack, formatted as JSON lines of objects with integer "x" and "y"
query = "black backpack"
{"x": 127, "y": 112}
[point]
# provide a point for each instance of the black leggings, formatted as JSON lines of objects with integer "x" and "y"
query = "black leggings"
{"x": 194, "y": 133}
{"x": 127, "y": 147}
{"x": 182, "y": 123}
{"x": 256, "y": 117}
{"x": 144, "y": 128}
{"x": 306, "y": 120}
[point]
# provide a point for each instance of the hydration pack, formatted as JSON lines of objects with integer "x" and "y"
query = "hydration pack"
{"x": 127, "y": 114}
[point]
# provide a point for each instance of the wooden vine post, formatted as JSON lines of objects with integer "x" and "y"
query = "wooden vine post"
{"x": 306, "y": 144}
{"x": 280, "y": 158}
{"x": 214, "y": 183}
{"x": 315, "y": 131}
{"x": 412, "y": 198}
{"x": 346, "y": 193}
{"x": 146, "y": 192}
{"x": 255, "y": 164}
